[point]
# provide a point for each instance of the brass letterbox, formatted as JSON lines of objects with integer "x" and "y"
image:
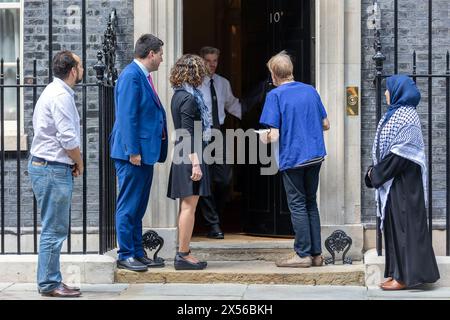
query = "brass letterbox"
{"x": 352, "y": 101}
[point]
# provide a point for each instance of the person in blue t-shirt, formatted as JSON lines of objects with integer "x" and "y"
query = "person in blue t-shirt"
{"x": 297, "y": 118}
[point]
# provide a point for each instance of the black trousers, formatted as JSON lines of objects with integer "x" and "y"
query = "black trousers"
{"x": 220, "y": 177}
{"x": 213, "y": 205}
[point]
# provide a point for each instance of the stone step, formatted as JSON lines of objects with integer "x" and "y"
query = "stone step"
{"x": 241, "y": 247}
{"x": 249, "y": 272}
{"x": 237, "y": 247}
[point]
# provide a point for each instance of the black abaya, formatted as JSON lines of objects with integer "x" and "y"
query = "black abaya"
{"x": 408, "y": 250}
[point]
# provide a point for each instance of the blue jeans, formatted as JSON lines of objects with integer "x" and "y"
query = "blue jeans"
{"x": 134, "y": 190}
{"x": 52, "y": 186}
{"x": 301, "y": 188}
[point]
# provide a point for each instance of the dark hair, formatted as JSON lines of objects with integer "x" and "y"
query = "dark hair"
{"x": 62, "y": 63}
{"x": 146, "y": 43}
{"x": 209, "y": 50}
{"x": 190, "y": 69}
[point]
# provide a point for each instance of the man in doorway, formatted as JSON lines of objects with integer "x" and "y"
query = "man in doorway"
{"x": 138, "y": 141}
{"x": 55, "y": 160}
{"x": 218, "y": 98}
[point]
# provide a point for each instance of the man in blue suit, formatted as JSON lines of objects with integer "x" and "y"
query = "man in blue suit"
{"x": 138, "y": 141}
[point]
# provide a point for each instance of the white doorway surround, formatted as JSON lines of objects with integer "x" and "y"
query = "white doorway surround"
{"x": 338, "y": 65}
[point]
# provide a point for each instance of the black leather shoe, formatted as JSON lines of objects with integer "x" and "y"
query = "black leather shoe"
{"x": 180, "y": 263}
{"x": 150, "y": 263}
{"x": 215, "y": 235}
{"x": 131, "y": 264}
{"x": 215, "y": 232}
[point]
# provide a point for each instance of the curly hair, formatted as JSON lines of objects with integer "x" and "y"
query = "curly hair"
{"x": 189, "y": 69}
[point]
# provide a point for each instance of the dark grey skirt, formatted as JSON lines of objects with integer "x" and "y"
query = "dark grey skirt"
{"x": 181, "y": 185}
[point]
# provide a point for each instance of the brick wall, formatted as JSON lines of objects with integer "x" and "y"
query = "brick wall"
{"x": 67, "y": 34}
{"x": 413, "y": 35}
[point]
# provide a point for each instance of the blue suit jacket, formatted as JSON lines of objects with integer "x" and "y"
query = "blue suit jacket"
{"x": 140, "y": 119}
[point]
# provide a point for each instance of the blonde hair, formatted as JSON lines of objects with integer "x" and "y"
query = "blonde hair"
{"x": 281, "y": 66}
{"x": 190, "y": 69}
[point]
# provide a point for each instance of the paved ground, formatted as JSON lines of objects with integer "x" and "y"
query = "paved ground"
{"x": 20, "y": 291}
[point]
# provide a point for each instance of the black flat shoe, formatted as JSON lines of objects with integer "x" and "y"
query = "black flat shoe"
{"x": 180, "y": 263}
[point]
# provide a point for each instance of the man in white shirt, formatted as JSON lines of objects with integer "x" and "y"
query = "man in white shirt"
{"x": 55, "y": 160}
{"x": 218, "y": 98}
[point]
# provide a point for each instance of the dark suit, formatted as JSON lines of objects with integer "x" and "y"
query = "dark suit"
{"x": 139, "y": 128}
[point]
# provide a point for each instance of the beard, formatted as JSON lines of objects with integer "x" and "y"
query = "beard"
{"x": 79, "y": 79}
{"x": 154, "y": 65}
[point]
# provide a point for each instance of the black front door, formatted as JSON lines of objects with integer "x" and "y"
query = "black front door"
{"x": 269, "y": 26}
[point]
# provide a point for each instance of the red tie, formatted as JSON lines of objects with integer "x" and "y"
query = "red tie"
{"x": 149, "y": 77}
{"x": 151, "y": 83}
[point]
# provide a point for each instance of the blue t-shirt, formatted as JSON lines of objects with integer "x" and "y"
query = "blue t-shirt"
{"x": 296, "y": 110}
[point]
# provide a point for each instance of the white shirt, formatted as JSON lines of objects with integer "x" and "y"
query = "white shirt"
{"x": 143, "y": 68}
{"x": 146, "y": 73}
{"x": 56, "y": 123}
{"x": 225, "y": 98}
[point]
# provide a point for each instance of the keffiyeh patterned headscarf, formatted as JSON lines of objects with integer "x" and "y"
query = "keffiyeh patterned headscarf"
{"x": 399, "y": 132}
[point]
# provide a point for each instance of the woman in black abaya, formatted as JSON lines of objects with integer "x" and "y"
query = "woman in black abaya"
{"x": 399, "y": 175}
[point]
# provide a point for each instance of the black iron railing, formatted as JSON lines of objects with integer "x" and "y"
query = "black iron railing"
{"x": 107, "y": 177}
{"x": 95, "y": 200}
{"x": 107, "y": 75}
{"x": 16, "y": 160}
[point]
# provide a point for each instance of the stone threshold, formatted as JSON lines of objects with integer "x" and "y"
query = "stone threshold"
{"x": 249, "y": 272}
{"x": 240, "y": 247}
{"x": 243, "y": 241}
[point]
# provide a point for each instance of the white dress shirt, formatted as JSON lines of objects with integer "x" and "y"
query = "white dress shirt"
{"x": 225, "y": 98}
{"x": 143, "y": 68}
{"x": 56, "y": 123}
